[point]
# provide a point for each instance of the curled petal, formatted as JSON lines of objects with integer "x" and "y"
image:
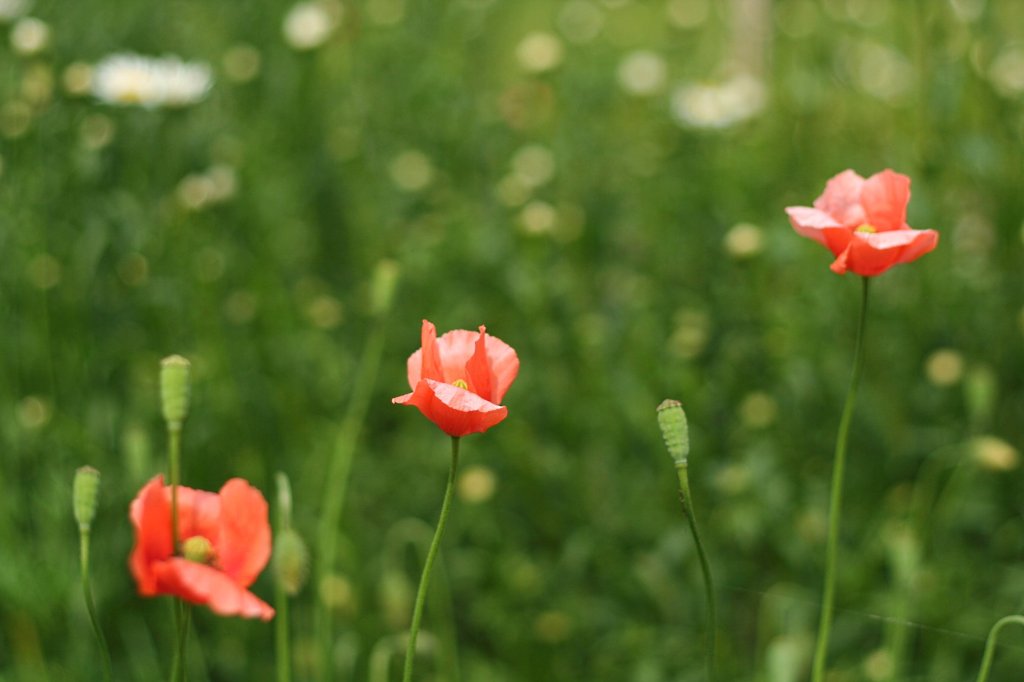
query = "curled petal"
{"x": 481, "y": 377}
{"x": 885, "y": 197}
{"x": 201, "y": 584}
{"x": 426, "y": 362}
{"x": 819, "y": 226}
{"x": 873, "y": 254}
{"x": 454, "y": 410}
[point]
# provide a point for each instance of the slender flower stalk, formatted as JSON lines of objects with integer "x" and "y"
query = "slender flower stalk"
{"x": 836, "y": 497}
{"x": 428, "y": 567}
{"x": 85, "y": 492}
{"x": 174, "y": 399}
{"x": 990, "y": 644}
{"x": 675, "y": 431}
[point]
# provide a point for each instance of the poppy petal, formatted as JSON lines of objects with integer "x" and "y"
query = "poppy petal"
{"x": 504, "y": 364}
{"x": 885, "y": 197}
{"x": 842, "y": 198}
{"x": 243, "y": 543}
{"x": 151, "y": 515}
{"x": 819, "y": 226}
{"x": 457, "y": 347}
{"x": 481, "y": 378}
{"x": 873, "y": 254}
{"x": 454, "y": 410}
{"x": 202, "y": 584}
{"x": 426, "y": 362}
{"x": 198, "y": 512}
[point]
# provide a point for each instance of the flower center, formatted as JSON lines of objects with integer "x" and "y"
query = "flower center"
{"x": 197, "y": 549}
{"x": 870, "y": 229}
{"x": 459, "y": 383}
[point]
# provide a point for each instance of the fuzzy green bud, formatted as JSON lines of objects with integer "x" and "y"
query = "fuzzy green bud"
{"x": 383, "y": 285}
{"x": 85, "y": 496}
{"x": 291, "y": 561}
{"x": 672, "y": 420}
{"x": 174, "y": 390}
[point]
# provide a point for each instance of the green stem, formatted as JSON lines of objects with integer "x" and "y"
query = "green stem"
{"x": 174, "y": 454}
{"x": 91, "y": 607}
{"x": 428, "y": 567}
{"x": 338, "y": 471}
{"x": 283, "y": 648}
{"x": 836, "y": 499}
{"x": 990, "y": 645}
{"x": 705, "y": 567}
{"x": 181, "y": 613}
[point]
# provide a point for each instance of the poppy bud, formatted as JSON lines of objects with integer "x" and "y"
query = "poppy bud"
{"x": 674, "y": 430}
{"x": 85, "y": 496}
{"x": 174, "y": 390}
{"x": 382, "y": 288}
{"x": 291, "y": 561}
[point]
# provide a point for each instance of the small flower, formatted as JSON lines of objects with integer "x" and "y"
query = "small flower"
{"x": 458, "y": 380}
{"x": 863, "y": 223}
{"x": 225, "y": 543}
{"x": 131, "y": 79}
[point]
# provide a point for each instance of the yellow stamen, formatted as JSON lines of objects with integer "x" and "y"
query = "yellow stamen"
{"x": 870, "y": 229}
{"x": 459, "y": 383}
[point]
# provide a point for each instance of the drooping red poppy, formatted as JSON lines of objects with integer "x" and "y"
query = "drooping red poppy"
{"x": 863, "y": 223}
{"x": 225, "y": 543}
{"x": 458, "y": 380}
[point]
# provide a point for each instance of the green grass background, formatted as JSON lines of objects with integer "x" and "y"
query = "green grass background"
{"x": 579, "y": 566}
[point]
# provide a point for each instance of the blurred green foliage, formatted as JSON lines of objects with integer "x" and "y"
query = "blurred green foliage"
{"x": 618, "y": 225}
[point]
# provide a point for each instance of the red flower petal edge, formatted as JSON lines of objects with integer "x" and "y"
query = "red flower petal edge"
{"x": 233, "y": 521}
{"x": 459, "y": 379}
{"x": 863, "y": 223}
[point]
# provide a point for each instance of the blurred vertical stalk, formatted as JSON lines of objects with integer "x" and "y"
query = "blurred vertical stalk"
{"x": 291, "y": 568}
{"x": 385, "y": 281}
{"x": 428, "y": 566}
{"x": 990, "y": 644}
{"x": 836, "y": 496}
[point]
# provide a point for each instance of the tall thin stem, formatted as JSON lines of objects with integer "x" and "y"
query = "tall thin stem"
{"x": 705, "y": 567}
{"x": 990, "y": 645}
{"x": 428, "y": 567}
{"x": 836, "y": 498}
{"x": 91, "y": 607}
{"x": 181, "y": 612}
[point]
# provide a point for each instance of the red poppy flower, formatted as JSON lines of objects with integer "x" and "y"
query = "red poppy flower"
{"x": 458, "y": 380}
{"x": 862, "y": 222}
{"x": 225, "y": 540}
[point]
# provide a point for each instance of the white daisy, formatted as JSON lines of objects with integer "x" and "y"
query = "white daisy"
{"x": 131, "y": 79}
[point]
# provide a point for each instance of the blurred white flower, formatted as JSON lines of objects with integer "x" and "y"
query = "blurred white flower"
{"x": 308, "y": 25}
{"x": 30, "y": 36}
{"x": 719, "y": 105}
{"x": 12, "y": 9}
{"x": 539, "y": 52}
{"x": 642, "y": 73}
{"x": 130, "y": 79}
